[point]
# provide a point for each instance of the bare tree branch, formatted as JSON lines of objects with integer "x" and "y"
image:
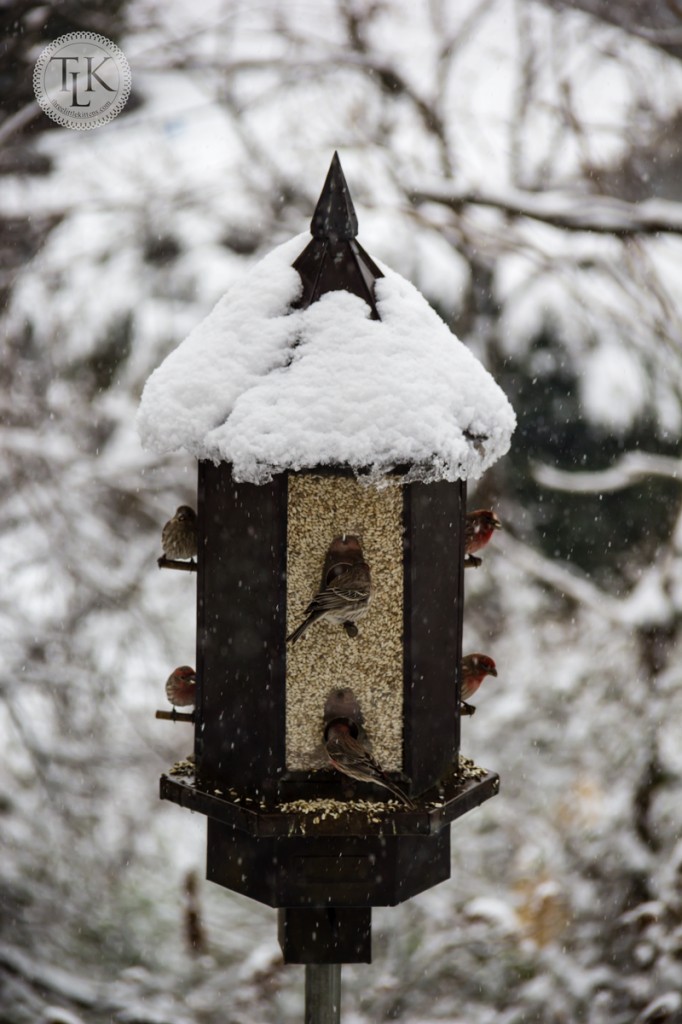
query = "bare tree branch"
{"x": 647, "y": 21}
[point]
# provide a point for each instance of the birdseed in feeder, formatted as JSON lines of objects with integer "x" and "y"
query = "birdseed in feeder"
{"x": 320, "y": 509}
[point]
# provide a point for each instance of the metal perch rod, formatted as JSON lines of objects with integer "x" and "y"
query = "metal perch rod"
{"x": 175, "y": 716}
{"x": 171, "y": 563}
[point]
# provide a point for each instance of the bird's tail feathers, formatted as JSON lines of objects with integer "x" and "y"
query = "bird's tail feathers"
{"x": 394, "y": 788}
{"x": 300, "y": 630}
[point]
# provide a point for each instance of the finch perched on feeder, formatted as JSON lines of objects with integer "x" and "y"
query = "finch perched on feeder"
{"x": 479, "y": 528}
{"x": 475, "y": 667}
{"x": 341, "y": 702}
{"x": 351, "y": 756}
{"x": 181, "y": 687}
{"x": 346, "y": 590}
{"x": 179, "y": 535}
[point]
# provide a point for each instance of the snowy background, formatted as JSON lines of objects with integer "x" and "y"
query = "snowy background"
{"x": 517, "y": 160}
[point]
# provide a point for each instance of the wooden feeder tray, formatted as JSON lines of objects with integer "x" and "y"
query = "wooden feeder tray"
{"x": 456, "y": 794}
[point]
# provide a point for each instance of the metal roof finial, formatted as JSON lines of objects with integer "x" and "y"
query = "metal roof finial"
{"x": 333, "y": 260}
{"x": 334, "y": 215}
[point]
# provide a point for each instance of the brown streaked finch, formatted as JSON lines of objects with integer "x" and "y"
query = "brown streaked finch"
{"x": 480, "y": 526}
{"x": 181, "y": 687}
{"x": 179, "y": 535}
{"x": 346, "y": 591}
{"x": 475, "y": 667}
{"x": 341, "y": 702}
{"x": 351, "y": 755}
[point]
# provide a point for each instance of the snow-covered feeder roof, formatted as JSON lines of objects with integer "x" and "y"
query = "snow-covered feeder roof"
{"x": 268, "y": 387}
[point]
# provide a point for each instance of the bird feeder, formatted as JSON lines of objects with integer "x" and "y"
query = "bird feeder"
{"x": 323, "y": 399}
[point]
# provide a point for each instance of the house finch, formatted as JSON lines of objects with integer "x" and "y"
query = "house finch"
{"x": 346, "y": 590}
{"x": 475, "y": 667}
{"x": 179, "y": 535}
{"x": 181, "y": 687}
{"x": 478, "y": 531}
{"x": 341, "y": 702}
{"x": 351, "y": 755}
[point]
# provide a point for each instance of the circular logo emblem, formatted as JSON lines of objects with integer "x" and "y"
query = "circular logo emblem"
{"x": 82, "y": 80}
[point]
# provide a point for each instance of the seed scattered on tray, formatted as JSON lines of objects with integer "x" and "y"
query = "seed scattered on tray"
{"x": 469, "y": 770}
{"x": 333, "y": 809}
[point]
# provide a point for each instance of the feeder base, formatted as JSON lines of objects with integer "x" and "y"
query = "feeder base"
{"x": 333, "y": 935}
{"x": 321, "y": 872}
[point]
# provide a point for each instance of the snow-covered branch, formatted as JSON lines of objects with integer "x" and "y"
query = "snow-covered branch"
{"x": 562, "y": 579}
{"x": 648, "y": 603}
{"x": 568, "y": 211}
{"x": 629, "y": 470}
{"x": 55, "y": 980}
{"x": 18, "y": 121}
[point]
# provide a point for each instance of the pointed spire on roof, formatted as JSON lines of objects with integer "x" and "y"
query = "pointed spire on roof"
{"x": 334, "y": 216}
{"x": 333, "y": 260}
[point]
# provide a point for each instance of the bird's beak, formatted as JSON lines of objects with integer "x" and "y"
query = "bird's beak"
{"x": 492, "y": 672}
{"x": 497, "y": 525}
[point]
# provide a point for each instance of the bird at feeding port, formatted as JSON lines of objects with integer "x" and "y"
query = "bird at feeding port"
{"x": 346, "y": 591}
{"x": 179, "y": 535}
{"x": 181, "y": 687}
{"x": 480, "y": 526}
{"x": 341, "y": 702}
{"x": 474, "y": 669}
{"x": 350, "y": 754}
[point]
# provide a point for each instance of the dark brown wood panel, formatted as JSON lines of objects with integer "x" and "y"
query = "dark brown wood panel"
{"x": 240, "y": 630}
{"x": 434, "y": 572}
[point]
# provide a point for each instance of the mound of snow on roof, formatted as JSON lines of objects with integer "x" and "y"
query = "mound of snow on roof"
{"x": 268, "y": 388}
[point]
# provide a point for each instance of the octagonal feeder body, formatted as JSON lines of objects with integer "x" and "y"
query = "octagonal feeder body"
{"x": 325, "y": 400}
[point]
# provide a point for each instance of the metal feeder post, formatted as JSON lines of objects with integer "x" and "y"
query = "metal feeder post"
{"x": 325, "y": 874}
{"x": 323, "y": 994}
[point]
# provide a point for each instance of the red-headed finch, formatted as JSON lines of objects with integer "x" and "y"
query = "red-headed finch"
{"x": 179, "y": 535}
{"x": 475, "y": 667}
{"x": 480, "y": 526}
{"x": 343, "y": 598}
{"x": 351, "y": 755}
{"x": 181, "y": 687}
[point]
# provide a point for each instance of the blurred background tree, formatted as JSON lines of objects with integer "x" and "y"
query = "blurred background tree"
{"x": 519, "y": 161}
